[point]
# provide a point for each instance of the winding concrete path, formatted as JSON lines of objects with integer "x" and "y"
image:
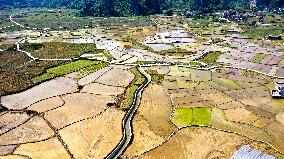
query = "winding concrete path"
{"x": 127, "y": 121}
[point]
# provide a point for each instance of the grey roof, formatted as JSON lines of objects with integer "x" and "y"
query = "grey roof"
{"x": 280, "y": 84}
{"x": 246, "y": 152}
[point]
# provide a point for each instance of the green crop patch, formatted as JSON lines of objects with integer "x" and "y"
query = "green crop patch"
{"x": 263, "y": 31}
{"x": 192, "y": 116}
{"x": 182, "y": 117}
{"x": 73, "y": 66}
{"x": 211, "y": 58}
{"x": 258, "y": 58}
{"x": 80, "y": 65}
{"x": 201, "y": 116}
{"x": 43, "y": 77}
{"x": 130, "y": 92}
{"x": 156, "y": 78}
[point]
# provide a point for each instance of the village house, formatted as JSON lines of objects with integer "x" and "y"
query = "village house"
{"x": 279, "y": 92}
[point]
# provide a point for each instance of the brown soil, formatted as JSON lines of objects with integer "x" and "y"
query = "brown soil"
{"x": 97, "y": 88}
{"x": 280, "y": 117}
{"x": 5, "y": 150}
{"x": 94, "y": 138}
{"x": 117, "y": 77}
{"x": 13, "y": 157}
{"x": 47, "y": 104}
{"x": 51, "y": 148}
{"x": 93, "y": 76}
{"x": 151, "y": 125}
{"x": 198, "y": 143}
{"x": 276, "y": 130}
{"x": 11, "y": 120}
{"x": 240, "y": 115}
{"x": 34, "y": 130}
{"x": 78, "y": 106}
{"x": 45, "y": 90}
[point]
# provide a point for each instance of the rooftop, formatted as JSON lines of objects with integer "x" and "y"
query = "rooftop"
{"x": 280, "y": 84}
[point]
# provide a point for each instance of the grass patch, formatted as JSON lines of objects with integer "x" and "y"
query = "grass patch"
{"x": 211, "y": 58}
{"x": 80, "y": 65}
{"x": 178, "y": 52}
{"x": 194, "y": 64}
{"x": 258, "y": 58}
{"x": 201, "y": 116}
{"x": 7, "y": 47}
{"x": 130, "y": 91}
{"x": 43, "y": 77}
{"x": 192, "y": 116}
{"x": 73, "y": 66}
{"x": 156, "y": 78}
{"x": 127, "y": 102}
{"x": 182, "y": 117}
{"x": 262, "y": 31}
{"x": 108, "y": 55}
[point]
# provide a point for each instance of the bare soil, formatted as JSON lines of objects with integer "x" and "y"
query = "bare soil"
{"x": 96, "y": 137}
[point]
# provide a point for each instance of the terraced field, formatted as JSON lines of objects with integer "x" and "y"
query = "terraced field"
{"x": 221, "y": 101}
{"x": 63, "y": 112}
{"x": 71, "y": 87}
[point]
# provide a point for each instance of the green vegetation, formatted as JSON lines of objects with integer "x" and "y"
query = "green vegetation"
{"x": 108, "y": 55}
{"x": 156, "y": 78}
{"x": 172, "y": 52}
{"x": 200, "y": 23}
{"x": 263, "y": 31}
{"x": 32, "y": 46}
{"x": 18, "y": 70}
{"x": 43, "y": 77}
{"x": 60, "y": 50}
{"x": 211, "y": 58}
{"x": 193, "y": 64}
{"x": 192, "y": 116}
{"x": 8, "y": 47}
{"x": 86, "y": 65}
{"x": 129, "y": 95}
{"x": 69, "y": 19}
{"x": 142, "y": 7}
{"x": 201, "y": 116}
{"x": 73, "y": 66}
{"x": 127, "y": 102}
{"x": 258, "y": 58}
{"x": 182, "y": 117}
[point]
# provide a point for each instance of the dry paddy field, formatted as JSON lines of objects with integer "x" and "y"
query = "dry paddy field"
{"x": 151, "y": 125}
{"x": 65, "y": 117}
{"x": 229, "y": 100}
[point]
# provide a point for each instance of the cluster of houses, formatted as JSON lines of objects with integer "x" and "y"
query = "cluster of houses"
{"x": 274, "y": 10}
{"x": 233, "y": 15}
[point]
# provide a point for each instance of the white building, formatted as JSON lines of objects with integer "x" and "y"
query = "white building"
{"x": 279, "y": 92}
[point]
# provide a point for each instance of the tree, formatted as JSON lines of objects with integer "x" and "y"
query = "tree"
{"x": 107, "y": 8}
{"x": 169, "y": 12}
{"x": 88, "y": 9}
{"x": 153, "y": 6}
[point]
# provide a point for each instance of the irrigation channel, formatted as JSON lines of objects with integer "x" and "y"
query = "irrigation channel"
{"x": 126, "y": 123}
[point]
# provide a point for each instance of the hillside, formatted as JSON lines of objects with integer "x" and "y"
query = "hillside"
{"x": 140, "y": 7}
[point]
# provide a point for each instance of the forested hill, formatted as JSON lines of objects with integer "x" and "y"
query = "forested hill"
{"x": 140, "y": 7}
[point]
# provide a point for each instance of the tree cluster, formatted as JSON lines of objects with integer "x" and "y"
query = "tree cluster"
{"x": 143, "y": 7}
